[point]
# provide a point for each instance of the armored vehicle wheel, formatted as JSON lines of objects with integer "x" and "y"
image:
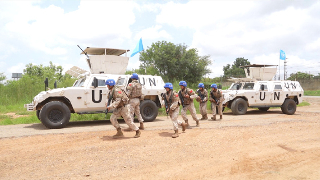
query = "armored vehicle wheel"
{"x": 55, "y": 115}
{"x": 148, "y": 110}
{"x": 263, "y": 108}
{"x": 239, "y": 106}
{"x": 38, "y": 114}
{"x": 289, "y": 107}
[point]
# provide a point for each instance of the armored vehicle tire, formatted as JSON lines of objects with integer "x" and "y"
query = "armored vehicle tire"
{"x": 55, "y": 115}
{"x": 38, "y": 114}
{"x": 239, "y": 106}
{"x": 263, "y": 108}
{"x": 148, "y": 110}
{"x": 289, "y": 107}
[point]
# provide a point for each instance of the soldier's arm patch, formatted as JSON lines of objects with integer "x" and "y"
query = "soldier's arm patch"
{"x": 119, "y": 92}
{"x": 130, "y": 84}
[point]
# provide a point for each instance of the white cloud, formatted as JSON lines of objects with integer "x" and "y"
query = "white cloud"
{"x": 51, "y": 29}
{"x": 16, "y": 69}
{"x": 153, "y": 33}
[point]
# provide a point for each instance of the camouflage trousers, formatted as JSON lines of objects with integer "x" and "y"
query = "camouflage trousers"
{"x": 192, "y": 110}
{"x": 214, "y": 107}
{"x": 125, "y": 113}
{"x": 135, "y": 108}
{"x": 174, "y": 118}
{"x": 203, "y": 108}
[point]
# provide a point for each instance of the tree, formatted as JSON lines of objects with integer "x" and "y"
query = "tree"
{"x": 235, "y": 70}
{"x": 2, "y": 77}
{"x": 300, "y": 75}
{"x": 174, "y": 62}
{"x": 51, "y": 71}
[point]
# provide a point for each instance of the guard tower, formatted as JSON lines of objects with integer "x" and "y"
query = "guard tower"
{"x": 106, "y": 60}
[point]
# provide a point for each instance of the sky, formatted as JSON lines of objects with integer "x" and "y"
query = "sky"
{"x": 38, "y": 32}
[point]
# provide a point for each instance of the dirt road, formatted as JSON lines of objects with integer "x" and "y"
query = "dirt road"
{"x": 268, "y": 145}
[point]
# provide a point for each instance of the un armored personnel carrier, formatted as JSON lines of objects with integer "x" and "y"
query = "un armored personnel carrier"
{"x": 88, "y": 94}
{"x": 258, "y": 90}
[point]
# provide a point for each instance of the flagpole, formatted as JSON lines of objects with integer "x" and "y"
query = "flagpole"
{"x": 279, "y": 71}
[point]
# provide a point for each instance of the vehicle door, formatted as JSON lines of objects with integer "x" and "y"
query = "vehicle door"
{"x": 277, "y": 95}
{"x": 263, "y": 95}
{"x": 96, "y": 96}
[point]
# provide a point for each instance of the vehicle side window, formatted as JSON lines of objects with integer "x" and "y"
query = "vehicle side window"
{"x": 277, "y": 87}
{"x": 248, "y": 86}
{"x": 101, "y": 82}
{"x": 120, "y": 81}
{"x": 234, "y": 87}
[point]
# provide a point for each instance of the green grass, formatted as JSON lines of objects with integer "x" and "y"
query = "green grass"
{"x": 312, "y": 93}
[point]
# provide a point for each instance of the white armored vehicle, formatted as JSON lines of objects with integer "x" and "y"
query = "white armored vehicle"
{"x": 258, "y": 90}
{"x": 88, "y": 94}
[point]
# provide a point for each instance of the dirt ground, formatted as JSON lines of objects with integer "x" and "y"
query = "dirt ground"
{"x": 258, "y": 145}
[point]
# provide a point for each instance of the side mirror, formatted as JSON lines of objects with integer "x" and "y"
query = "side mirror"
{"x": 262, "y": 87}
{"x": 46, "y": 82}
{"x": 219, "y": 86}
{"x": 55, "y": 84}
{"x": 95, "y": 82}
{"x": 238, "y": 87}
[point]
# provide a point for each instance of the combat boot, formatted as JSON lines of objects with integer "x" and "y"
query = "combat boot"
{"x": 198, "y": 123}
{"x": 184, "y": 126}
{"x": 213, "y": 117}
{"x": 141, "y": 126}
{"x": 205, "y": 117}
{"x": 176, "y": 134}
{"x": 187, "y": 124}
{"x": 138, "y": 133}
{"x": 202, "y": 118}
{"x": 119, "y": 133}
{"x": 220, "y": 116}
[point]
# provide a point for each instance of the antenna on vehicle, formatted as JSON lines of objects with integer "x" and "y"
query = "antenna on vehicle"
{"x": 84, "y": 52}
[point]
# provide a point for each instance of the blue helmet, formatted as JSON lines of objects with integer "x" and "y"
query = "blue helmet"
{"x": 168, "y": 85}
{"x": 183, "y": 83}
{"x": 201, "y": 85}
{"x": 214, "y": 86}
{"x": 110, "y": 82}
{"x": 135, "y": 76}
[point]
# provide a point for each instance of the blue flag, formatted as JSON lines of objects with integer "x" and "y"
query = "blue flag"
{"x": 138, "y": 48}
{"x": 282, "y": 55}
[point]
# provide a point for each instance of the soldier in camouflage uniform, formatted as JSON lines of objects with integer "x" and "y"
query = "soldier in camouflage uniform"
{"x": 134, "y": 92}
{"x": 171, "y": 99}
{"x": 118, "y": 101}
{"x": 216, "y": 99}
{"x": 186, "y": 96}
{"x": 202, "y": 99}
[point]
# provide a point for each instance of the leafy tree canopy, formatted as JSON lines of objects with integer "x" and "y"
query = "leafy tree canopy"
{"x": 173, "y": 62}
{"x": 300, "y": 75}
{"x": 235, "y": 70}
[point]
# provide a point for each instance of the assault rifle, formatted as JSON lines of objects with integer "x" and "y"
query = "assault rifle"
{"x": 181, "y": 99}
{"x": 166, "y": 104}
{"x": 109, "y": 101}
{"x": 200, "y": 95}
{"x": 216, "y": 99}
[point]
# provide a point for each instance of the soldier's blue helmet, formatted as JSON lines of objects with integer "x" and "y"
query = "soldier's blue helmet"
{"x": 183, "y": 83}
{"x": 135, "y": 76}
{"x": 168, "y": 85}
{"x": 201, "y": 85}
{"x": 214, "y": 86}
{"x": 110, "y": 82}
